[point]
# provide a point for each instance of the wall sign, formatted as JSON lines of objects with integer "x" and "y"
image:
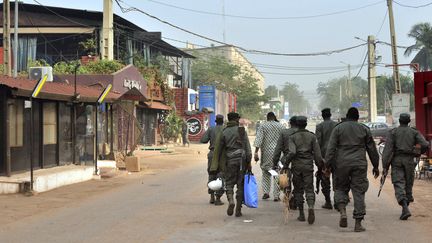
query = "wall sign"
{"x": 194, "y": 126}
{"x": 130, "y": 84}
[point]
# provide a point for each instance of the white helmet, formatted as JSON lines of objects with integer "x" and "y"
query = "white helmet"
{"x": 215, "y": 185}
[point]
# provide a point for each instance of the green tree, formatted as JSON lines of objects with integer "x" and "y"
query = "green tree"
{"x": 298, "y": 104}
{"x": 271, "y": 91}
{"x": 333, "y": 94}
{"x": 218, "y": 72}
{"x": 422, "y": 33}
{"x": 385, "y": 90}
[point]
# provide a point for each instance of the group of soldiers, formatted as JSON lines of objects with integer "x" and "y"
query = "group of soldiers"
{"x": 338, "y": 150}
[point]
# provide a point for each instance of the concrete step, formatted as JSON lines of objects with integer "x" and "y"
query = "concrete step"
{"x": 46, "y": 179}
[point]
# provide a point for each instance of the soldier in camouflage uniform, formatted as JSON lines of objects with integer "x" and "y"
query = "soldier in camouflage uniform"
{"x": 210, "y": 136}
{"x": 303, "y": 150}
{"x": 399, "y": 152}
{"x": 346, "y": 151}
{"x": 233, "y": 156}
{"x": 323, "y": 132}
{"x": 281, "y": 151}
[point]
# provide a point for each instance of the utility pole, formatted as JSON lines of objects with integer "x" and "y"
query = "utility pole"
{"x": 107, "y": 49}
{"x": 6, "y": 39}
{"x": 15, "y": 47}
{"x": 349, "y": 81}
{"x": 372, "y": 79}
{"x": 394, "y": 48}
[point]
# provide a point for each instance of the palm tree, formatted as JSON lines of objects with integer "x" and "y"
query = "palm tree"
{"x": 422, "y": 33}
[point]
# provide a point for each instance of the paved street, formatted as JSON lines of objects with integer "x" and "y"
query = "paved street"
{"x": 171, "y": 206}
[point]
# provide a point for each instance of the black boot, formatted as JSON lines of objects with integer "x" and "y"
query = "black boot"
{"x": 343, "y": 222}
{"x": 231, "y": 204}
{"x": 292, "y": 204}
{"x": 311, "y": 216}
{"x": 327, "y": 204}
{"x": 358, "y": 227}
{"x": 238, "y": 212}
{"x": 218, "y": 201}
{"x": 212, "y": 198}
{"x": 405, "y": 211}
{"x": 301, "y": 216}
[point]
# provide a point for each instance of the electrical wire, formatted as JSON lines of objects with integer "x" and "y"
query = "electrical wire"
{"x": 304, "y": 74}
{"x": 410, "y": 6}
{"x": 382, "y": 24}
{"x": 361, "y": 67}
{"x": 251, "y": 51}
{"x": 61, "y": 16}
{"x": 266, "y": 18}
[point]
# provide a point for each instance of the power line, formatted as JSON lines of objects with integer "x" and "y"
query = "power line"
{"x": 410, "y": 6}
{"x": 251, "y": 51}
{"x": 361, "y": 67}
{"x": 61, "y": 16}
{"x": 382, "y": 24}
{"x": 304, "y": 74}
{"x": 266, "y": 18}
{"x": 261, "y": 65}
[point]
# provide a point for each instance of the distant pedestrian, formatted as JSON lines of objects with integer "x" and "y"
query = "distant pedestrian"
{"x": 185, "y": 133}
{"x": 323, "y": 132}
{"x": 232, "y": 156}
{"x": 303, "y": 151}
{"x": 399, "y": 152}
{"x": 210, "y": 136}
{"x": 266, "y": 140}
{"x": 346, "y": 151}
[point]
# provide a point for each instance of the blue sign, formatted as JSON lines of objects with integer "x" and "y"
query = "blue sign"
{"x": 207, "y": 98}
{"x": 357, "y": 104}
{"x": 192, "y": 98}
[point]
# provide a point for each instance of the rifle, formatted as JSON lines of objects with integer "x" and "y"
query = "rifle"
{"x": 384, "y": 175}
{"x": 318, "y": 176}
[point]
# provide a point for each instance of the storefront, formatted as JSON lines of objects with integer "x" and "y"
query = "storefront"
{"x": 54, "y": 138}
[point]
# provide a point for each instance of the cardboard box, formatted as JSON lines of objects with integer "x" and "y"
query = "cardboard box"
{"x": 132, "y": 164}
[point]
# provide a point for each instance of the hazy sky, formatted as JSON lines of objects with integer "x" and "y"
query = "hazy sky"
{"x": 300, "y": 35}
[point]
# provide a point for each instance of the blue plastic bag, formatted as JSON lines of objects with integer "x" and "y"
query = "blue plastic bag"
{"x": 250, "y": 191}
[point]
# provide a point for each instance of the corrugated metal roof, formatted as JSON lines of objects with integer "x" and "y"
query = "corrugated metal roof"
{"x": 55, "y": 90}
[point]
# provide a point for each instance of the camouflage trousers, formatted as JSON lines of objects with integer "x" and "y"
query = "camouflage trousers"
{"x": 352, "y": 178}
{"x": 402, "y": 175}
{"x": 212, "y": 176}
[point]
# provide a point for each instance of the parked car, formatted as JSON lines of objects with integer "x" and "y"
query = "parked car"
{"x": 378, "y": 129}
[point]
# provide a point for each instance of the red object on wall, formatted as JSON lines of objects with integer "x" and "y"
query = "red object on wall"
{"x": 423, "y": 103}
{"x": 232, "y": 105}
{"x": 181, "y": 100}
{"x": 1, "y": 55}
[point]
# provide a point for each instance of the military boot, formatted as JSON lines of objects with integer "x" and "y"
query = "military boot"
{"x": 301, "y": 216}
{"x": 311, "y": 215}
{"x": 238, "y": 212}
{"x": 218, "y": 201}
{"x": 343, "y": 222}
{"x": 358, "y": 227}
{"x": 231, "y": 204}
{"x": 212, "y": 198}
{"x": 327, "y": 204}
{"x": 292, "y": 204}
{"x": 405, "y": 211}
